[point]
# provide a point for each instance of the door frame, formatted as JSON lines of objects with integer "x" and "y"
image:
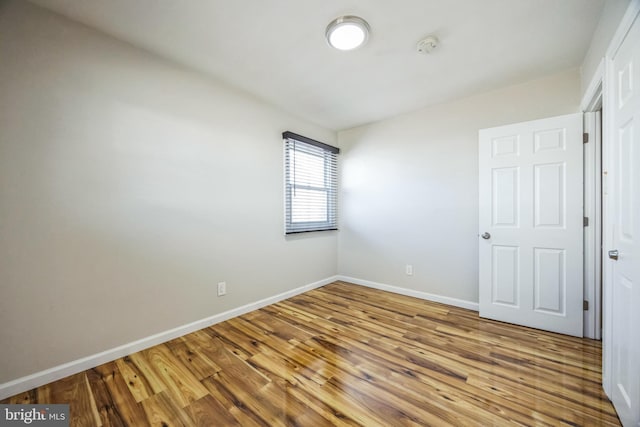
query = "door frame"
{"x": 592, "y": 321}
{"x": 600, "y": 91}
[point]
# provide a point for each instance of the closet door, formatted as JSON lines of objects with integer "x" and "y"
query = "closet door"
{"x": 622, "y": 232}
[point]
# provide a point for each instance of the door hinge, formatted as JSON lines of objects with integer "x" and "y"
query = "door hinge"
{"x": 585, "y": 137}
{"x": 585, "y": 221}
{"x": 585, "y": 305}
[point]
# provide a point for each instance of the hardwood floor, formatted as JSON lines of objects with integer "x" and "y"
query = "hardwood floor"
{"x": 345, "y": 355}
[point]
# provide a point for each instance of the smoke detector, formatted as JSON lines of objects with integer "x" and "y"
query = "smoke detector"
{"x": 427, "y": 44}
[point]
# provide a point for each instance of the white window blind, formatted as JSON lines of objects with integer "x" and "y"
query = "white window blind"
{"x": 311, "y": 185}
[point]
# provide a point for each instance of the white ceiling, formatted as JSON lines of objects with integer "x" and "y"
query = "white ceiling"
{"x": 275, "y": 49}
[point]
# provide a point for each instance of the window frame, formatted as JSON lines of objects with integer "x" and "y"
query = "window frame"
{"x": 330, "y": 180}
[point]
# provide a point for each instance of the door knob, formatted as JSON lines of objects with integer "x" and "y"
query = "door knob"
{"x": 485, "y": 235}
{"x": 613, "y": 254}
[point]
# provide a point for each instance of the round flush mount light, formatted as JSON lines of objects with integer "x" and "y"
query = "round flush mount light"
{"x": 347, "y": 32}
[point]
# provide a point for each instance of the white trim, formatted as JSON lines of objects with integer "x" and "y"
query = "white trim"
{"x": 37, "y": 379}
{"x": 607, "y": 136}
{"x": 469, "y": 305}
{"x": 597, "y": 223}
{"x": 592, "y": 233}
{"x": 592, "y": 97}
{"x": 592, "y": 102}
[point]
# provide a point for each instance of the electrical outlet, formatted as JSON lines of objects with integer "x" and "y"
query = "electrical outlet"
{"x": 409, "y": 269}
{"x": 222, "y": 288}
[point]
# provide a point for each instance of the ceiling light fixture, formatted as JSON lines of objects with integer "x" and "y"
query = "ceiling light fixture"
{"x": 347, "y": 32}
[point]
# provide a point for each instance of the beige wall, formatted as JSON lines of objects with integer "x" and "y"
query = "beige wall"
{"x": 612, "y": 13}
{"x": 129, "y": 187}
{"x": 410, "y": 189}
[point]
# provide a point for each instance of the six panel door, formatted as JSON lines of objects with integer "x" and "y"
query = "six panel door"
{"x": 530, "y": 244}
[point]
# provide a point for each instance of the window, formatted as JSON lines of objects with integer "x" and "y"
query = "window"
{"x": 311, "y": 184}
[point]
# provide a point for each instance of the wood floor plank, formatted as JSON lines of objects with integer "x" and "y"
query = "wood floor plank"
{"x": 125, "y": 405}
{"x": 207, "y": 411}
{"x": 346, "y": 355}
{"x": 235, "y": 408}
{"x": 196, "y": 362}
{"x": 135, "y": 379}
{"x": 107, "y": 409}
{"x": 563, "y": 408}
{"x": 149, "y": 382}
{"x": 180, "y": 382}
{"x": 74, "y": 389}
{"x": 26, "y": 398}
{"x": 162, "y": 410}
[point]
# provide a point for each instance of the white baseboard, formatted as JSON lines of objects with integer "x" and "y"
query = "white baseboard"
{"x": 470, "y": 305}
{"x": 38, "y": 379}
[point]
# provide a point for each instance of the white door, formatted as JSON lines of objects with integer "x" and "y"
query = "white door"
{"x": 622, "y": 199}
{"x": 530, "y": 239}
